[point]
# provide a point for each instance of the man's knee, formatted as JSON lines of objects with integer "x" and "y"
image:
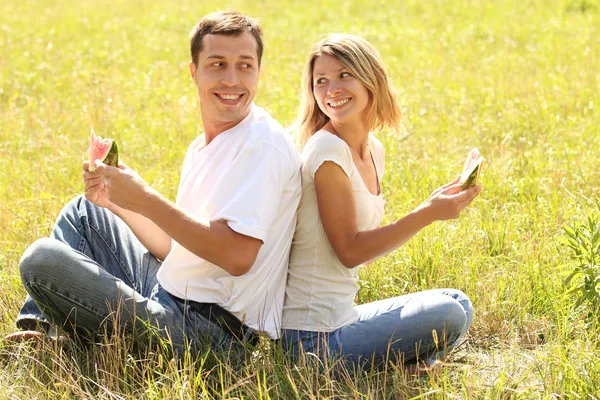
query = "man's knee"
{"x": 37, "y": 258}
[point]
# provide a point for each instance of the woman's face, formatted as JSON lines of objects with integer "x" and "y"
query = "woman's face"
{"x": 340, "y": 95}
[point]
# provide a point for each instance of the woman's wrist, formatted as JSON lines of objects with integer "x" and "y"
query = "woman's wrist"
{"x": 422, "y": 216}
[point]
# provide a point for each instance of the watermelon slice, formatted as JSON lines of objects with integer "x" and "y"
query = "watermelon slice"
{"x": 471, "y": 170}
{"x": 105, "y": 150}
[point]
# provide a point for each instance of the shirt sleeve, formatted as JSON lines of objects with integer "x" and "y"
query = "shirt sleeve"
{"x": 252, "y": 189}
{"x": 326, "y": 147}
{"x": 187, "y": 161}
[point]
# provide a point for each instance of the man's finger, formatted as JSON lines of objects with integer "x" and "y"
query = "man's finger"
{"x": 106, "y": 170}
{"x": 92, "y": 184}
{"x": 92, "y": 180}
{"x": 90, "y": 175}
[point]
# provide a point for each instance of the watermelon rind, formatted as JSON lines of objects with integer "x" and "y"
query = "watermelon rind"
{"x": 112, "y": 157}
{"x": 471, "y": 180}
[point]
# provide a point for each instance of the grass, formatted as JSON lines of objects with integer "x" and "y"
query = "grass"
{"x": 518, "y": 79}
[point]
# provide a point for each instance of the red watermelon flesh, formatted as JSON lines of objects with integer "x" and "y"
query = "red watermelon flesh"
{"x": 105, "y": 150}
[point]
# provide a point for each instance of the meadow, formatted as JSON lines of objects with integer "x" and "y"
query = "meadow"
{"x": 519, "y": 79}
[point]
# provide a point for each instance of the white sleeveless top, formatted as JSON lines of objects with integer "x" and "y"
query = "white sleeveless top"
{"x": 320, "y": 290}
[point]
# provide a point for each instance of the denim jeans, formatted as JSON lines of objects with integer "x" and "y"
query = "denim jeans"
{"x": 401, "y": 328}
{"x": 94, "y": 274}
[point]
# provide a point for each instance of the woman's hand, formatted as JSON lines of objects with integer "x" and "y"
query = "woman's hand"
{"x": 448, "y": 201}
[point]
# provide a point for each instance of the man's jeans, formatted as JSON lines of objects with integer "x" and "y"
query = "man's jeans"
{"x": 421, "y": 326}
{"x": 94, "y": 274}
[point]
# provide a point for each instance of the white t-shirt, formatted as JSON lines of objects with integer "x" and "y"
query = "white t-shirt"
{"x": 248, "y": 175}
{"x": 320, "y": 290}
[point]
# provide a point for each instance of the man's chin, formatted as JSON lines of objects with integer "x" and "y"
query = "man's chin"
{"x": 230, "y": 114}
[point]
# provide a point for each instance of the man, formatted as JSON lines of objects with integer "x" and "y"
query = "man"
{"x": 225, "y": 242}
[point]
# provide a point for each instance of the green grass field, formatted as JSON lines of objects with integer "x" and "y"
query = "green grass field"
{"x": 519, "y": 79}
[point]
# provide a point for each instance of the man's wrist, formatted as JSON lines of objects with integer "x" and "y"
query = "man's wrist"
{"x": 115, "y": 209}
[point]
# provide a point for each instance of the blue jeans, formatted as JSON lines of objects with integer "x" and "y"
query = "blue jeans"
{"x": 93, "y": 274}
{"x": 397, "y": 329}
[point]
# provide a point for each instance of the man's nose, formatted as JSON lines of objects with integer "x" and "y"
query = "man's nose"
{"x": 230, "y": 77}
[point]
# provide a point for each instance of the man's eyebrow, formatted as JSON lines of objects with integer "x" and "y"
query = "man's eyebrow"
{"x": 220, "y": 57}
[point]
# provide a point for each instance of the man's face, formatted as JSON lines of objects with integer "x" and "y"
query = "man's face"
{"x": 226, "y": 75}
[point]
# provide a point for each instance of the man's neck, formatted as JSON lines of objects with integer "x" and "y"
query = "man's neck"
{"x": 212, "y": 129}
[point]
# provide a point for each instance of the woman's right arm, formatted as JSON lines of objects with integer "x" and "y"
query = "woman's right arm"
{"x": 337, "y": 209}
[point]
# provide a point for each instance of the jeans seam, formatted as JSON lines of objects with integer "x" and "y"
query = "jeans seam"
{"x": 82, "y": 241}
{"x": 65, "y": 297}
{"x": 114, "y": 253}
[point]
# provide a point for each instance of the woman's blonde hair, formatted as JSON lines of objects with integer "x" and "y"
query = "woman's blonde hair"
{"x": 365, "y": 63}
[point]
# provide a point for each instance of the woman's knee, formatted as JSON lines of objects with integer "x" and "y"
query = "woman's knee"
{"x": 458, "y": 316}
{"x": 462, "y": 299}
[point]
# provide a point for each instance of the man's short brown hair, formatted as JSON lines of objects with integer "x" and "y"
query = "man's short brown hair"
{"x": 228, "y": 23}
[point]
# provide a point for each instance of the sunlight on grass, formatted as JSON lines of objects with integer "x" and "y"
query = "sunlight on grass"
{"x": 519, "y": 80}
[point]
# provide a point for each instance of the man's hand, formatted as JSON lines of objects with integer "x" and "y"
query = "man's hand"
{"x": 123, "y": 186}
{"x": 94, "y": 187}
{"x": 448, "y": 201}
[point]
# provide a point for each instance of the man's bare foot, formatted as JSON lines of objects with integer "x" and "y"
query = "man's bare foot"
{"x": 24, "y": 336}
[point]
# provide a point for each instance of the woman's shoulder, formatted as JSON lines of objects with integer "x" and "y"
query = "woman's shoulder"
{"x": 325, "y": 146}
{"x": 325, "y": 140}
{"x": 376, "y": 144}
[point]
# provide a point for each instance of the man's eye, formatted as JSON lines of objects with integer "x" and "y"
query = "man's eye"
{"x": 246, "y": 66}
{"x": 217, "y": 64}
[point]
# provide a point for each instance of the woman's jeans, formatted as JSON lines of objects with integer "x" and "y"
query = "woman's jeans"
{"x": 93, "y": 274}
{"x": 415, "y": 327}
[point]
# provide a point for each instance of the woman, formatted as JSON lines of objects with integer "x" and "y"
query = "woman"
{"x": 346, "y": 95}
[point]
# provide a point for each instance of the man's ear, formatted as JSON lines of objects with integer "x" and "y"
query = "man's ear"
{"x": 193, "y": 71}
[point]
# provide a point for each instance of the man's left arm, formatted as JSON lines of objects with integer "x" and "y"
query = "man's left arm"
{"x": 214, "y": 241}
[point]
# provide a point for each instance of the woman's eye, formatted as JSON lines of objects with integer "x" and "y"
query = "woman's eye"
{"x": 320, "y": 81}
{"x": 345, "y": 75}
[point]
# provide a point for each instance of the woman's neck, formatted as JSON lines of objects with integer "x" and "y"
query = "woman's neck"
{"x": 355, "y": 135}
